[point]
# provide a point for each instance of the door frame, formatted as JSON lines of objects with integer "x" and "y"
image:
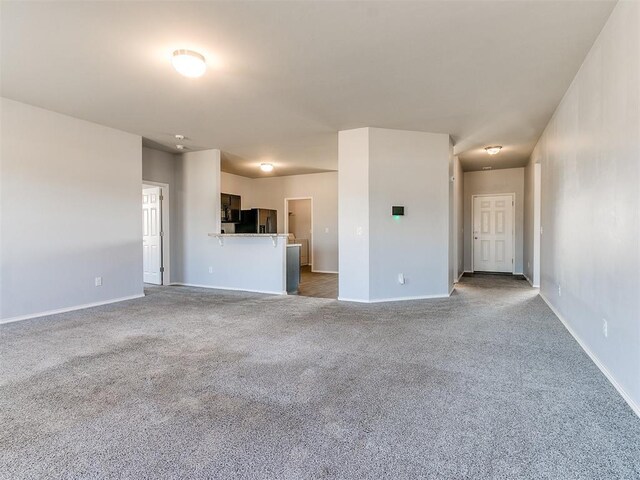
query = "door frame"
{"x": 513, "y": 222}
{"x": 313, "y": 230}
{"x": 165, "y": 239}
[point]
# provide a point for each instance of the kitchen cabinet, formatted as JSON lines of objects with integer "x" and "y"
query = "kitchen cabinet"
{"x": 230, "y": 208}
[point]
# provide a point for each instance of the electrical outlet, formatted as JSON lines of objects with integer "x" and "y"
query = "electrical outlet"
{"x": 210, "y": 269}
{"x": 540, "y": 230}
{"x": 98, "y": 281}
{"x": 605, "y": 328}
{"x": 401, "y": 278}
{"x": 359, "y": 231}
{"x": 559, "y": 291}
{"x": 326, "y": 230}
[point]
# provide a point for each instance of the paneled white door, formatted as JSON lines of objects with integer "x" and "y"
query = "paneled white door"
{"x": 152, "y": 235}
{"x": 493, "y": 233}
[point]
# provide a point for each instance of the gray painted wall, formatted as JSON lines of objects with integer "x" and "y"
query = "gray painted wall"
{"x": 197, "y": 200}
{"x": 300, "y": 218}
{"x": 453, "y": 276}
{"x": 458, "y": 199}
{"x": 71, "y": 202}
{"x": 531, "y": 246}
{"x": 380, "y": 168}
{"x": 410, "y": 169}
{"x": 508, "y": 180}
{"x": 353, "y": 214}
{"x": 590, "y": 156}
{"x": 323, "y": 187}
{"x": 159, "y": 166}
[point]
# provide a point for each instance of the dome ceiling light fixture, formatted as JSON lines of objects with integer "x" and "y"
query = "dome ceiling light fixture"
{"x": 180, "y": 147}
{"x": 266, "y": 167}
{"x": 189, "y": 63}
{"x": 493, "y": 150}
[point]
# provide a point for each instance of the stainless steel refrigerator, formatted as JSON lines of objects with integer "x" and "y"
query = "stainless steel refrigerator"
{"x": 258, "y": 220}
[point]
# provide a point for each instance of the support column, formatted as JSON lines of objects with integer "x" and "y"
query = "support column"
{"x": 385, "y": 256}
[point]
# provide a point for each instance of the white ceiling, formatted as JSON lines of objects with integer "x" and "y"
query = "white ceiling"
{"x": 284, "y": 77}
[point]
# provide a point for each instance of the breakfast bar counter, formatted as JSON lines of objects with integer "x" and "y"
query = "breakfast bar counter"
{"x": 255, "y": 262}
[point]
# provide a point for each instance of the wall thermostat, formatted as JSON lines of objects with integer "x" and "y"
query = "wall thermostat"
{"x": 397, "y": 211}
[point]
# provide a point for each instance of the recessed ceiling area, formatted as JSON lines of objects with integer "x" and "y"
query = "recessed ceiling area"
{"x": 283, "y": 78}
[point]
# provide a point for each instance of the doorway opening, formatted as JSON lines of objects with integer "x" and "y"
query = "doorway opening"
{"x": 298, "y": 224}
{"x": 155, "y": 238}
{"x": 493, "y": 240}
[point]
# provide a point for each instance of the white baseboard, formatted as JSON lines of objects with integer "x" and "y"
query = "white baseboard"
{"x": 627, "y": 398}
{"x": 68, "y": 309}
{"x": 395, "y": 299}
{"x": 530, "y": 282}
{"x": 268, "y": 292}
{"x": 459, "y": 277}
{"x": 355, "y": 300}
{"x": 322, "y": 271}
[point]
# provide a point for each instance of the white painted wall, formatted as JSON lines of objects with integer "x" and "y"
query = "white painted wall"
{"x": 70, "y": 198}
{"x": 270, "y": 193}
{"x": 379, "y": 168}
{"x": 508, "y": 180}
{"x": 590, "y": 244}
{"x": 251, "y": 264}
{"x": 458, "y": 221}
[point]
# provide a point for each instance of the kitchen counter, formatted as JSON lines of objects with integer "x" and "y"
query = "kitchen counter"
{"x": 254, "y": 262}
{"x": 248, "y": 235}
{"x": 273, "y": 236}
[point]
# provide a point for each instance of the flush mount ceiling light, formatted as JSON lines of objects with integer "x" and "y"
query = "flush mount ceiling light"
{"x": 266, "y": 167}
{"x": 179, "y": 137}
{"x": 493, "y": 150}
{"x": 180, "y": 147}
{"x": 188, "y": 63}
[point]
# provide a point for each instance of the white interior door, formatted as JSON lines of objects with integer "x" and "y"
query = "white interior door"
{"x": 493, "y": 233}
{"x": 152, "y": 235}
